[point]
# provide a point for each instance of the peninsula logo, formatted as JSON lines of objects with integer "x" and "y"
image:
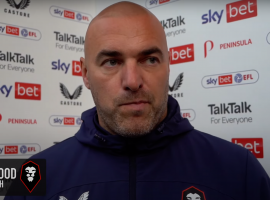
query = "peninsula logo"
{"x": 19, "y": 32}
{"x": 18, "y": 6}
{"x": 177, "y": 83}
{"x": 182, "y": 54}
{"x": 254, "y": 145}
{"x": 19, "y": 149}
{"x": 235, "y": 11}
{"x": 193, "y": 193}
{"x": 16, "y": 58}
{"x": 0, "y": 117}
{"x": 61, "y": 66}
{"x": 154, "y": 3}
{"x": 209, "y": 45}
{"x": 67, "y": 95}
{"x": 65, "y": 120}
{"x": 22, "y": 121}
{"x": 230, "y": 79}
{"x": 174, "y": 22}
{"x": 232, "y": 108}
{"x": 72, "y": 15}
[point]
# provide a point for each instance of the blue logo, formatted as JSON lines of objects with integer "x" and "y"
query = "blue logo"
{"x": 78, "y": 121}
{"x": 238, "y": 78}
{"x": 79, "y": 17}
{"x": 23, "y": 149}
{"x": 268, "y": 38}
{"x": 153, "y": 2}
{"x": 24, "y": 32}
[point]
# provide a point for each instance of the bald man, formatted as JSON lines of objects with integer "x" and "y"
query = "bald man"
{"x": 134, "y": 144}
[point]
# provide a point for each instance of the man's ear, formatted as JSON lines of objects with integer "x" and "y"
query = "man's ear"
{"x": 84, "y": 73}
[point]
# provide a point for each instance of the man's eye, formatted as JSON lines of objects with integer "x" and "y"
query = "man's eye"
{"x": 111, "y": 63}
{"x": 151, "y": 60}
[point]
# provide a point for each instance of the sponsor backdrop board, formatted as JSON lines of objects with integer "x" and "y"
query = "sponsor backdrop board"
{"x": 219, "y": 66}
{"x": 219, "y": 69}
{"x": 41, "y": 89}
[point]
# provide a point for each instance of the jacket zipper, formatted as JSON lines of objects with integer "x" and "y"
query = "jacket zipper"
{"x": 132, "y": 176}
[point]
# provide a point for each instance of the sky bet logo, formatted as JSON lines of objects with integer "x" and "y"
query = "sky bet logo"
{"x": 230, "y": 79}
{"x": 27, "y": 91}
{"x": 20, "y": 32}
{"x": 182, "y": 54}
{"x": 67, "y": 121}
{"x": 235, "y": 11}
{"x": 254, "y": 145}
{"x": 61, "y": 66}
{"x": 70, "y": 14}
{"x": 154, "y": 3}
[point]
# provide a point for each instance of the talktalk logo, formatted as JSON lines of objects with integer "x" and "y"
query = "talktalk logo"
{"x": 182, "y": 54}
{"x": 28, "y": 91}
{"x": 20, "y": 32}
{"x": 230, "y": 79}
{"x": 70, "y": 14}
{"x": 235, "y": 11}
{"x": 64, "y": 67}
{"x": 155, "y": 3}
{"x": 11, "y": 149}
{"x": 254, "y": 145}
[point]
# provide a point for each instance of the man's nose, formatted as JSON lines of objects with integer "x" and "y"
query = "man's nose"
{"x": 131, "y": 76}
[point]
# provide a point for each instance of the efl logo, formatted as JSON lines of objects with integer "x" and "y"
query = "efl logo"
{"x": 241, "y": 10}
{"x": 224, "y": 80}
{"x": 12, "y": 30}
{"x": 182, "y": 54}
{"x": 19, "y": 149}
{"x": 68, "y": 121}
{"x": 11, "y": 149}
{"x": 155, "y": 3}
{"x": 230, "y": 79}
{"x": 255, "y": 145}
{"x": 20, "y": 32}
{"x": 76, "y": 68}
{"x": 70, "y": 14}
{"x": 188, "y": 113}
{"x": 27, "y": 91}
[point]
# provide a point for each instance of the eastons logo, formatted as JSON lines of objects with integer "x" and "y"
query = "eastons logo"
{"x": 70, "y": 14}
{"x": 62, "y": 120}
{"x": 20, "y": 32}
{"x": 154, "y": 3}
{"x": 230, "y": 79}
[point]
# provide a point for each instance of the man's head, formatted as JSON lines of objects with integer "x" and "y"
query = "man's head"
{"x": 126, "y": 67}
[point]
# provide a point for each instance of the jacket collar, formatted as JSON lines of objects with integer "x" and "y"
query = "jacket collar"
{"x": 92, "y": 134}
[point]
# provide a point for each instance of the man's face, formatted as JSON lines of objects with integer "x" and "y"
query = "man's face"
{"x": 127, "y": 71}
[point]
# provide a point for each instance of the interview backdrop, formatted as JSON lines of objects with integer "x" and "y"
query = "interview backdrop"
{"x": 219, "y": 69}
